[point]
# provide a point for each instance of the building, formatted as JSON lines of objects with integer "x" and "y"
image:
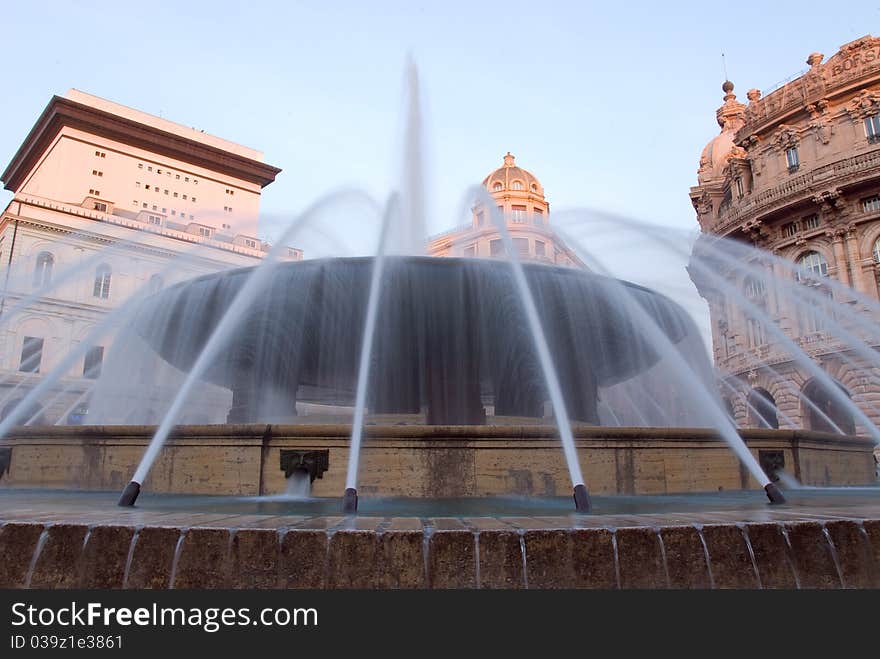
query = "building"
{"x": 109, "y": 202}
{"x": 519, "y": 196}
{"x": 796, "y": 172}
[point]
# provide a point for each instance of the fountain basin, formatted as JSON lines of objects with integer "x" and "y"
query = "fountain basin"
{"x": 426, "y": 461}
{"x": 451, "y": 341}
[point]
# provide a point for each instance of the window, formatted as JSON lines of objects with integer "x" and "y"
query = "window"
{"x": 534, "y": 188}
{"x": 166, "y": 191}
{"x": 539, "y": 248}
{"x": 195, "y": 181}
{"x": 95, "y": 172}
{"x": 175, "y": 194}
{"x": 144, "y": 204}
{"x": 496, "y": 248}
{"x": 501, "y": 210}
{"x": 102, "y": 282}
{"x": 521, "y": 245}
{"x": 871, "y": 204}
{"x": 876, "y": 251}
{"x": 158, "y": 171}
{"x": 184, "y": 197}
{"x": 190, "y": 217}
{"x": 193, "y": 200}
{"x": 516, "y": 185}
{"x": 539, "y": 216}
{"x": 756, "y": 294}
{"x": 186, "y": 179}
{"x": 471, "y": 250}
{"x": 43, "y": 270}
{"x": 150, "y": 169}
{"x": 498, "y": 187}
{"x": 92, "y": 362}
{"x": 518, "y": 214}
{"x": 31, "y": 355}
{"x": 790, "y": 230}
{"x": 154, "y": 219}
{"x": 480, "y": 218}
{"x": 811, "y": 265}
{"x": 811, "y": 222}
{"x": 147, "y": 186}
{"x": 177, "y": 176}
{"x": 227, "y": 226}
{"x": 203, "y": 231}
{"x": 155, "y": 207}
{"x": 872, "y": 128}
{"x": 137, "y": 184}
{"x": 739, "y": 186}
{"x": 140, "y": 165}
{"x": 100, "y": 207}
{"x": 156, "y": 283}
{"x": 251, "y": 243}
{"x": 791, "y": 155}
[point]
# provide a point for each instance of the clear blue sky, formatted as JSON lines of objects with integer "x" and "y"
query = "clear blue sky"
{"x": 608, "y": 103}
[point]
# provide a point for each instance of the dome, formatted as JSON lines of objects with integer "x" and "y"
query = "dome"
{"x": 730, "y": 118}
{"x": 509, "y": 176}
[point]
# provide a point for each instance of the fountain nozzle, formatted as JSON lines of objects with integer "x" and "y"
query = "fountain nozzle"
{"x": 350, "y": 500}
{"x": 129, "y": 494}
{"x": 774, "y": 493}
{"x": 581, "y": 499}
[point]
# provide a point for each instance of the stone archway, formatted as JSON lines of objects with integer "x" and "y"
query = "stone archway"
{"x": 824, "y": 412}
{"x": 763, "y": 412}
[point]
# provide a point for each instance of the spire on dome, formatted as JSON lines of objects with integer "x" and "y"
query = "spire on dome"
{"x": 508, "y": 160}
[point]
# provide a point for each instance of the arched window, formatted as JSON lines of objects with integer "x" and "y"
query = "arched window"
{"x": 817, "y": 308}
{"x": 534, "y": 188}
{"x": 43, "y": 270}
{"x": 811, "y": 265}
{"x": 156, "y": 283}
{"x": 876, "y": 251}
{"x": 826, "y": 412}
{"x": 762, "y": 409}
{"x": 102, "y": 282}
{"x": 516, "y": 185}
{"x": 497, "y": 187}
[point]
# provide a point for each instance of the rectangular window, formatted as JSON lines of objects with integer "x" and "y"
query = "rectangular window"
{"x": 790, "y": 230}
{"x": 166, "y": 191}
{"x": 791, "y": 155}
{"x": 137, "y": 184}
{"x": 496, "y": 248}
{"x": 811, "y": 222}
{"x": 31, "y": 355}
{"x": 92, "y": 363}
{"x": 155, "y": 208}
{"x": 184, "y": 197}
{"x": 872, "y": 128}
{"x": 186, "y": 179}
{"x": 251, "y": 243}
{"x": 175, "y": 194}
{"x": 871, "y": 204}
{"x": 144, "y": 204}
{"x": 539, "y": 216}
{"x": 177, "y": 176}
{"x": 205, "y": 232}
{"x": 195, "y": 181}
{"x": 739, "y": 186}
{"x": 521, "y": 245}
{"x": 193, "y": 199}
{"x": 150, "y": 168}
{"x": 470, "y": 251}
{"x": 147, "y": 186}
{"x": 140, "y": 165}
{"x": 539, "y": 248}
{"x": 480, "y": 218}
{"x": 101, "y": 207}
{"x": 518, "y": 214}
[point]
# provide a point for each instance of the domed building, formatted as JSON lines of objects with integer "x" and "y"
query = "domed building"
{"x": 796, "y": 173}
{"x": 519, "y": 197}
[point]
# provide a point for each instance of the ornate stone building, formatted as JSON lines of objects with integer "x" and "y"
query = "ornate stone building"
{"x": 796, "y": 172}
{"x": 109, "y": 202}
{"x": 520, "y": 198}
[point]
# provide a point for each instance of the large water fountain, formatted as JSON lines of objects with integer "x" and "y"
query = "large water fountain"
{"x": 432, "y": 378}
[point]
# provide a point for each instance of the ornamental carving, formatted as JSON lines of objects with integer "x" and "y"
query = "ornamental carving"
{"x": 785, "y": 137}
{"x": 864, "y": 105}
{"x": 819, "y": 121}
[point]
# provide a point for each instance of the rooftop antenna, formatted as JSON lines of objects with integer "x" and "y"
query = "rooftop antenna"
{"x": 724, "y": 66}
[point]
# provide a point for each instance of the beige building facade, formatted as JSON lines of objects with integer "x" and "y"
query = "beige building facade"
{"x": 109, "y": 203}
{"x": 796, "y": 172}
{"x": 519, "y": 197}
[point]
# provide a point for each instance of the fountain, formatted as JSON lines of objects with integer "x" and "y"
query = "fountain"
{"x": 425, "y": 391}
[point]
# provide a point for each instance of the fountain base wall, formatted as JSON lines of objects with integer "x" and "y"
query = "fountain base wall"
{"x": 426, "y": 461}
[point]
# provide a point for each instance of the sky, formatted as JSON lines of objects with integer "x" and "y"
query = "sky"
{"x": 609, "y": 104}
